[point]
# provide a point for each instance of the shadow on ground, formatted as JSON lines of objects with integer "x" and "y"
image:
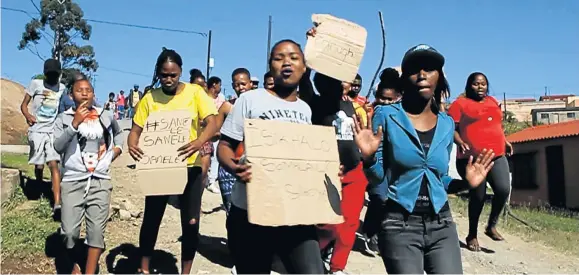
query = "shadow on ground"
{"x": 215, "y": 250}
{"x": 63, "y": 260}
{"x": 125, "y": 259}
{"x": 214, "y": 210}
{"x": 482, "y": 249}
{"x": 35, "y": 190}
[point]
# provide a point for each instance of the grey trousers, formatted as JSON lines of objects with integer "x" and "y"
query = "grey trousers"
{"x": 415, "y": 244}
{"x": 94, "y": 207}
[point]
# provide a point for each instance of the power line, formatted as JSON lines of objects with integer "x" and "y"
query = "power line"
{"x": 145, "y": 27}
{"x": 118, "y": 23}
{"x": 35, "y": 6}
{"x": 124, "y": 72}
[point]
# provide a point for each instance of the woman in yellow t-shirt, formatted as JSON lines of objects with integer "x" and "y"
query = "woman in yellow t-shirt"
{"x": 174, "y": 95}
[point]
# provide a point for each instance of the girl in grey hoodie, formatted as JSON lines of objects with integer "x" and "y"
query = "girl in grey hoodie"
{"x": 88, "y": 140}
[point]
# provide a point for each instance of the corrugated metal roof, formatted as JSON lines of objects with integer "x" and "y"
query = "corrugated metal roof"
{"x": 542, "y": 132}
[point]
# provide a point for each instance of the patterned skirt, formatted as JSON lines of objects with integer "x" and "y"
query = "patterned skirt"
{"x": 206, "y": 149}
{"x": 226, "y": 182}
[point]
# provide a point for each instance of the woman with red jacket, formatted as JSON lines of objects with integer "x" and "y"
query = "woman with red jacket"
{"x": 478, "y": 119}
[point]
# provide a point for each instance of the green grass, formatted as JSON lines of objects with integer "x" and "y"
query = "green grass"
{"x": 557, "y": 229}
{"x": 20, "y": 162}
{"x": 25, "y": 229}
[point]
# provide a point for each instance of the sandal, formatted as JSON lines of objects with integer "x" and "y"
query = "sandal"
{"x": 472, "y": 244}
{"x": 494, "y": 234}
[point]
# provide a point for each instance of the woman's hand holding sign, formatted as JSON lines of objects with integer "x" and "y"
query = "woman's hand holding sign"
{"x": 242, "y": 170}
{"x": 189, "y": 149}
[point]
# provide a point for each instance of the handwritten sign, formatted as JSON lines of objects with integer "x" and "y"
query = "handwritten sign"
{"x": 161, "y": 171}
{"x": 294, "y": 174}
{"x": 338, "y": 47}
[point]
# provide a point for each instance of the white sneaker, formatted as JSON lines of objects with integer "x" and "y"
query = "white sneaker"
{"x": 213, "y": 188}
{"x": 233, "y": 271}
{"x": 339, "y": 272}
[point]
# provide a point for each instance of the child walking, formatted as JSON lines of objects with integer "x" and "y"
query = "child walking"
{"x": 111, "y": 105}
{"x": 89, "y": 140}
{"x": 45, "y": 96}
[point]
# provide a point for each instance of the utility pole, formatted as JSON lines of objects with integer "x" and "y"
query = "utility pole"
{"x": 505, "y": 103}
{"x": 268, "y": 45}
{"x": 208, "y": 54}
{"x": 545, "y": 90}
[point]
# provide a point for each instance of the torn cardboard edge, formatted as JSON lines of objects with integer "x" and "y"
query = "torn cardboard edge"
{"x": 294, "y": 170}
{"x": 338, "y": 47}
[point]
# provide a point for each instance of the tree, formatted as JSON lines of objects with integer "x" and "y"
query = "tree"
{"x": 38, "y": 76}
{"x": 65, "y": 22}
{"x": 509, "y": 116}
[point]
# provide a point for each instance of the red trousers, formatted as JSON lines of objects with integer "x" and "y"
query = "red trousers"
{"x": 353, "y": 190}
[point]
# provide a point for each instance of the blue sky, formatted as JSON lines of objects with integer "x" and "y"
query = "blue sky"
{"x": 522, "y": 46}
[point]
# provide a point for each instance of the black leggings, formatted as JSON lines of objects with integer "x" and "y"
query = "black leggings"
{"x": 499, "y": 180}
{"x": 252, "y": 247}
{"x": 190, "y": 208}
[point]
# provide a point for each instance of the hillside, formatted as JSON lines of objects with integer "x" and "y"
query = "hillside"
{"x": 14, "y": 125}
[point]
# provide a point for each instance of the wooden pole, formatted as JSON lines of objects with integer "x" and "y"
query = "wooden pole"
{"x": 208, "y": 54}
{"x": 268, "y": 45}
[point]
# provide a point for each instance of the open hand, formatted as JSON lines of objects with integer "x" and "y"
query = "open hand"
{"x": 476, "y": 172}
{"x": 365, "y": 139}
{"x": 135, "y": 152}
{"x": 189, "y": 149}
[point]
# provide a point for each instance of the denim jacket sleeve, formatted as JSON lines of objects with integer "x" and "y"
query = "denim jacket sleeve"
{"x": 375, "y": 172}
{"x": 446, "y": 179}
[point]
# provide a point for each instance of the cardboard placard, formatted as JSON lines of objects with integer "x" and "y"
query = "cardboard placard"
{"x": 294, "y": 174}
{"x": 338, "y": 47}
{"x": 161, "y": 171}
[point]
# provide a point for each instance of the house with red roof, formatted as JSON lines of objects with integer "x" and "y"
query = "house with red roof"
{"x": 545, "y": 166}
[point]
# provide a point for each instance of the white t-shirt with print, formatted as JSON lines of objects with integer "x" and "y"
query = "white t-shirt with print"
{"x": 260, "y": 104}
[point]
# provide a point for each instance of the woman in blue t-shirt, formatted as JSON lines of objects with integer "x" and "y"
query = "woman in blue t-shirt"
{"x": 407, "y": 168}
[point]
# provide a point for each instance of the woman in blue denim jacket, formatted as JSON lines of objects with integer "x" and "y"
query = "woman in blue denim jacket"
{"x": 407, "y": 168}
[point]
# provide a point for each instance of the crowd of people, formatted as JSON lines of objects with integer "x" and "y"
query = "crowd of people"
{"x": 395, "y": 149}
{"x": 124, "y": 107}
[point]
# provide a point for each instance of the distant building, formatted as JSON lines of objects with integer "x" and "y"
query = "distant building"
{"x": 545, "y": 165}
{"x": 512, "y": 100}
{"x": 554, "y": 115}
{"x": 555, "y": 98}
{"x": 522, "y": 108}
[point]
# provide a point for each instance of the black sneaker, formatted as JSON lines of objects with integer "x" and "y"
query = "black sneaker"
{"x": 372, "y": 245}
{"x": 56, "y": 213}
{"x": 327, "y": 255}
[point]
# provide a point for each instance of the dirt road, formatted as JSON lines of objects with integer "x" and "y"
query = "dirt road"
{"x": 513, "y": 256}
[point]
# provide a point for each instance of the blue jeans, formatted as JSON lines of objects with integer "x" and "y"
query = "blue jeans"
{"x": 412, "y": 244}
{"x": 121, "y": 109}
{"x": 130, "y": 112}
